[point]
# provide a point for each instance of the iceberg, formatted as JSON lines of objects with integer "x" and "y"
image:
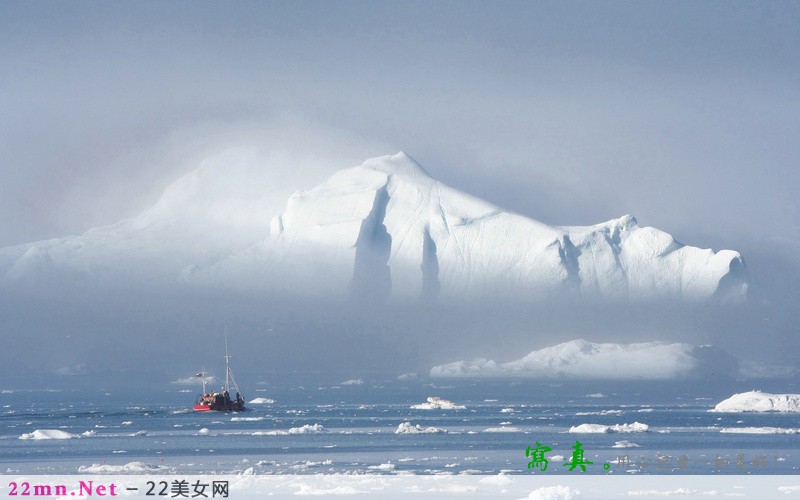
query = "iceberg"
{"x": 757, "y": 401}
{"x": 580, "y": 359}
{"x": 385, "y": 228}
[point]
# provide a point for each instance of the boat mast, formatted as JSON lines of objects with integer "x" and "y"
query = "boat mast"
{"x": 227, "y": 365}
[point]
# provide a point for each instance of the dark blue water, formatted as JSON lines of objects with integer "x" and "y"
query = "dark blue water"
{"x": 324, "y": 428}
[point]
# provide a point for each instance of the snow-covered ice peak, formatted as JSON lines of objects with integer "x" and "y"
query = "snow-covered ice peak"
{"x": 383, "y": 229}
{"x": 398, "y": 164}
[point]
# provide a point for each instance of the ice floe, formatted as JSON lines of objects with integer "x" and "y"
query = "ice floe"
{"x": 603, "y": 429}
{"x": 437, "y": 403}
{"x": 408, "y": 428}
{"x": 129, "y": 468}
{"x": 43, "y": 434}
{"x": 305, "y": 429}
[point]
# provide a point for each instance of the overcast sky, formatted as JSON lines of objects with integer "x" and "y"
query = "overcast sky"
{"x": 685, "y": 114}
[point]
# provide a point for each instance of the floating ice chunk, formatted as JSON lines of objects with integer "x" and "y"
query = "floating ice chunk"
{"x": 306, "y": 429}
{"x": 557, "y": 492}
{"x": 408, "y": 428}
{"x": 437, "y": 403}
{"x": 129, "y": 468}
{"x": 758, "y": 401}
{"x": 352, "y": 381}
{"x": 314, "y": 489}
{"x": 204, "y": 431}
{"x": 603, "y": 429}
{"x": 246, "y": 419}
{"x": 384, "y": 467}
{"x": 261, "y": 401}
{"x": 87, "y": 434}
{"x": 759, "y": 430}
{"x": 625, "y": 444}
{"x": 507, "y": 428}
{"x": 42, "y": 434}
{"x": 498, "y": 480}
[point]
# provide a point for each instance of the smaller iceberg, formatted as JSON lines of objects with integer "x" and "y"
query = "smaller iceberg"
{"x": 757, "y": 401}
{"x": 43, "y": 434}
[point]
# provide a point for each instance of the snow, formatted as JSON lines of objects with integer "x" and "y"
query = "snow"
{"x": 581, "y": 359}
{"x": 44, "y": 434}
{"x": 757, "y": 401}
{"x": 261, "y": 401}
{"x": 437, "y": 403}
{"x": 408, "y": 428}
{"x": 384, "y": 227}
{"x": 602, "y": 429}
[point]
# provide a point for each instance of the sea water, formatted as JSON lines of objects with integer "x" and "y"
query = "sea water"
{"x": 313, "y": 427}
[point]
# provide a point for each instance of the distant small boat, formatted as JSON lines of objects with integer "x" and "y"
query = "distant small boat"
{"x": 220, "y": 401}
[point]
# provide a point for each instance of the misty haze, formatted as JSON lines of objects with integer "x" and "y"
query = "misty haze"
{"x": 557, "y": 212}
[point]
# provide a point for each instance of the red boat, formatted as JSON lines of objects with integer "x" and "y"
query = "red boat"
{"x": 220, "y": 401}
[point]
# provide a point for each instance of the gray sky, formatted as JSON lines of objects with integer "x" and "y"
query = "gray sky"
{"x": 685, "y": 114}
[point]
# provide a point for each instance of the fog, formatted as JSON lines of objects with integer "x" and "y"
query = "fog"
{"x": 682, "y": 114}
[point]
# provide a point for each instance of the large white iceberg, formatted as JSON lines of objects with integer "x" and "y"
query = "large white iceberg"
{"x": 580, "y": 359}
{"x": 385, "y": 228}
{"x": 757, "y": 401}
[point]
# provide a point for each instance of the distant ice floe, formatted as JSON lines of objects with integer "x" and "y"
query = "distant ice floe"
{"x": 382, "y": 467}
{"x": 436, "y": 403}
{"x": 306, "y": 429}
{"x": 759, "y": 430}
{"x": 261, "y": 401}
{"x": 757, "y": 401}
{"x": 556, "y": 492}
{"x": 129, "y": 468}
{"x": 204, "y": 431}
{"x": 408, "y": 428}
{"x": 503, "y": 429}
{"x": 583, "y": 360}
{"x": 604, "y": 429}
{"x": 246, "y": 419}
{"x": 676, "y": 492}
{"x": 352, "y": 381}
{"x": 87, "y": 434}
{"x": 625, "y": 444}
{"x": 43, "y": 434}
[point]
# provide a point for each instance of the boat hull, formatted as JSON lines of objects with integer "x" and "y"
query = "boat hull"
{"x": 233, "y": 406}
